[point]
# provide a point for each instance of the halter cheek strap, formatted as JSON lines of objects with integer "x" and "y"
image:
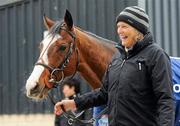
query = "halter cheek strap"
{"x": 64, "y": 63}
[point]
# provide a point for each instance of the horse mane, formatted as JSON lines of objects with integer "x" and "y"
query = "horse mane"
{"x": 96, "y": 36}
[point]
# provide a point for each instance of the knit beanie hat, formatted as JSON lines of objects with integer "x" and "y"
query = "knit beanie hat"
{"x": 136, "y": 17}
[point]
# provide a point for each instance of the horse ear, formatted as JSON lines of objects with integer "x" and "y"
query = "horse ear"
{"x": 68, "y": 20}
{"x": 47, "y": 22}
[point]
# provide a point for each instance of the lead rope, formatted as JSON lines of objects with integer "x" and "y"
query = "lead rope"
{"x": 74, "y": 118}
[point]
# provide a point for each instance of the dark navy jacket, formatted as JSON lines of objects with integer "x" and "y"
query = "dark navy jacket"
{"x": 137, "y": 87}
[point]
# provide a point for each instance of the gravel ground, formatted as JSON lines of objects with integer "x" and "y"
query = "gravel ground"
{"x": 27, "y": 120}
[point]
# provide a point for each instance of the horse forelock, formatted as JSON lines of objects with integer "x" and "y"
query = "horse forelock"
{"x": 55, "y": 29}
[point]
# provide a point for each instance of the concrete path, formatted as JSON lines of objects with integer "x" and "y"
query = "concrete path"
{"x": 27, "y": 120}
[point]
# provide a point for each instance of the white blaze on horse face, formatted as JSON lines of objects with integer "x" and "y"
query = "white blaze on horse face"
{"x": 37, "y": 71}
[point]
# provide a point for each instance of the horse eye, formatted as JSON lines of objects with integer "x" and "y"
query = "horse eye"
{"x": 62, "y": 47}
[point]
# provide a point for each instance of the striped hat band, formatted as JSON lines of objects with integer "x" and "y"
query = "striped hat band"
{"x": 136, "y": 17}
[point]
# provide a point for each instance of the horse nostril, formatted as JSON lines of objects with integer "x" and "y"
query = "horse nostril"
{"x": 34, "y": 90}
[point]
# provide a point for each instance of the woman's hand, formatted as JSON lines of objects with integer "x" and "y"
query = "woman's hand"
{"x": 68, "y": 105}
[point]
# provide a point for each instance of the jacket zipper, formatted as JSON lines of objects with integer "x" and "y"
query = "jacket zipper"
{"x": 116, "y": 96}
{"x": 123, "y": 63}
{"x": 140, "y": 67}
{"x": 124, "y": 60}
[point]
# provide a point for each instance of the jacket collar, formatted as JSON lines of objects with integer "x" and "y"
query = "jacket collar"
{"x": 147, "y": 40}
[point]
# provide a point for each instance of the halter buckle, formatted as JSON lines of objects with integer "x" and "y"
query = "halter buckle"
{"x": 70, "y": 121}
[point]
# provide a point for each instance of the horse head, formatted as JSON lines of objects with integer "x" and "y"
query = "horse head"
{"x": 57, "y": 53}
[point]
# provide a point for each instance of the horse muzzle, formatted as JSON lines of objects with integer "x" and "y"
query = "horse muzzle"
{"x": 37, "y": 92}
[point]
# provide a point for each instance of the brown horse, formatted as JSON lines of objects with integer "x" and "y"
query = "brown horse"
{"x": 66, "y": 50}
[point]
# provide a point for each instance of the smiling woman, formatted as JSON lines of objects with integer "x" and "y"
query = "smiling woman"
{"x": 128, "y": 34}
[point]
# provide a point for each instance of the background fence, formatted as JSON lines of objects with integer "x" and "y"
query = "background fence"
{"x": 165, "y": 23}
{"x": 21, "y": 30}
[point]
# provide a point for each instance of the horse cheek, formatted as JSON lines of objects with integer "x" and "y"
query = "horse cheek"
{"x": 44, "y": 79}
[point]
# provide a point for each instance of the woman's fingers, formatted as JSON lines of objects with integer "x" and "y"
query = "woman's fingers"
{"x": 58, "y": 109}
{"x": 67, "y": 104}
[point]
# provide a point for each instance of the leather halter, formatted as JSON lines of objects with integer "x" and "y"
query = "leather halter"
{"x": 74, "y": 118}
{"x": 64, "y": 63}
{"x": 71, "y": 117}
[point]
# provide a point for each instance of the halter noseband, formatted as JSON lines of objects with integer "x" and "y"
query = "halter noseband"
{"x": 64, "y": 63}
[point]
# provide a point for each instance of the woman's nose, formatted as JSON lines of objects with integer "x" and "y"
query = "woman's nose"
{"x": 119, "y": 30}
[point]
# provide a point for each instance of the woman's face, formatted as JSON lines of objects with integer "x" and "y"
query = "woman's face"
{"x": 127, "y": 34}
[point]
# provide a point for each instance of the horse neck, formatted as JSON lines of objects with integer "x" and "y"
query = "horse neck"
{"x": 95, "y": 56}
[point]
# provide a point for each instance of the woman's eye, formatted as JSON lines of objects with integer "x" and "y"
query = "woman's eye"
{"x": 124, "y": 26}
{"x": 62, "y": 47}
